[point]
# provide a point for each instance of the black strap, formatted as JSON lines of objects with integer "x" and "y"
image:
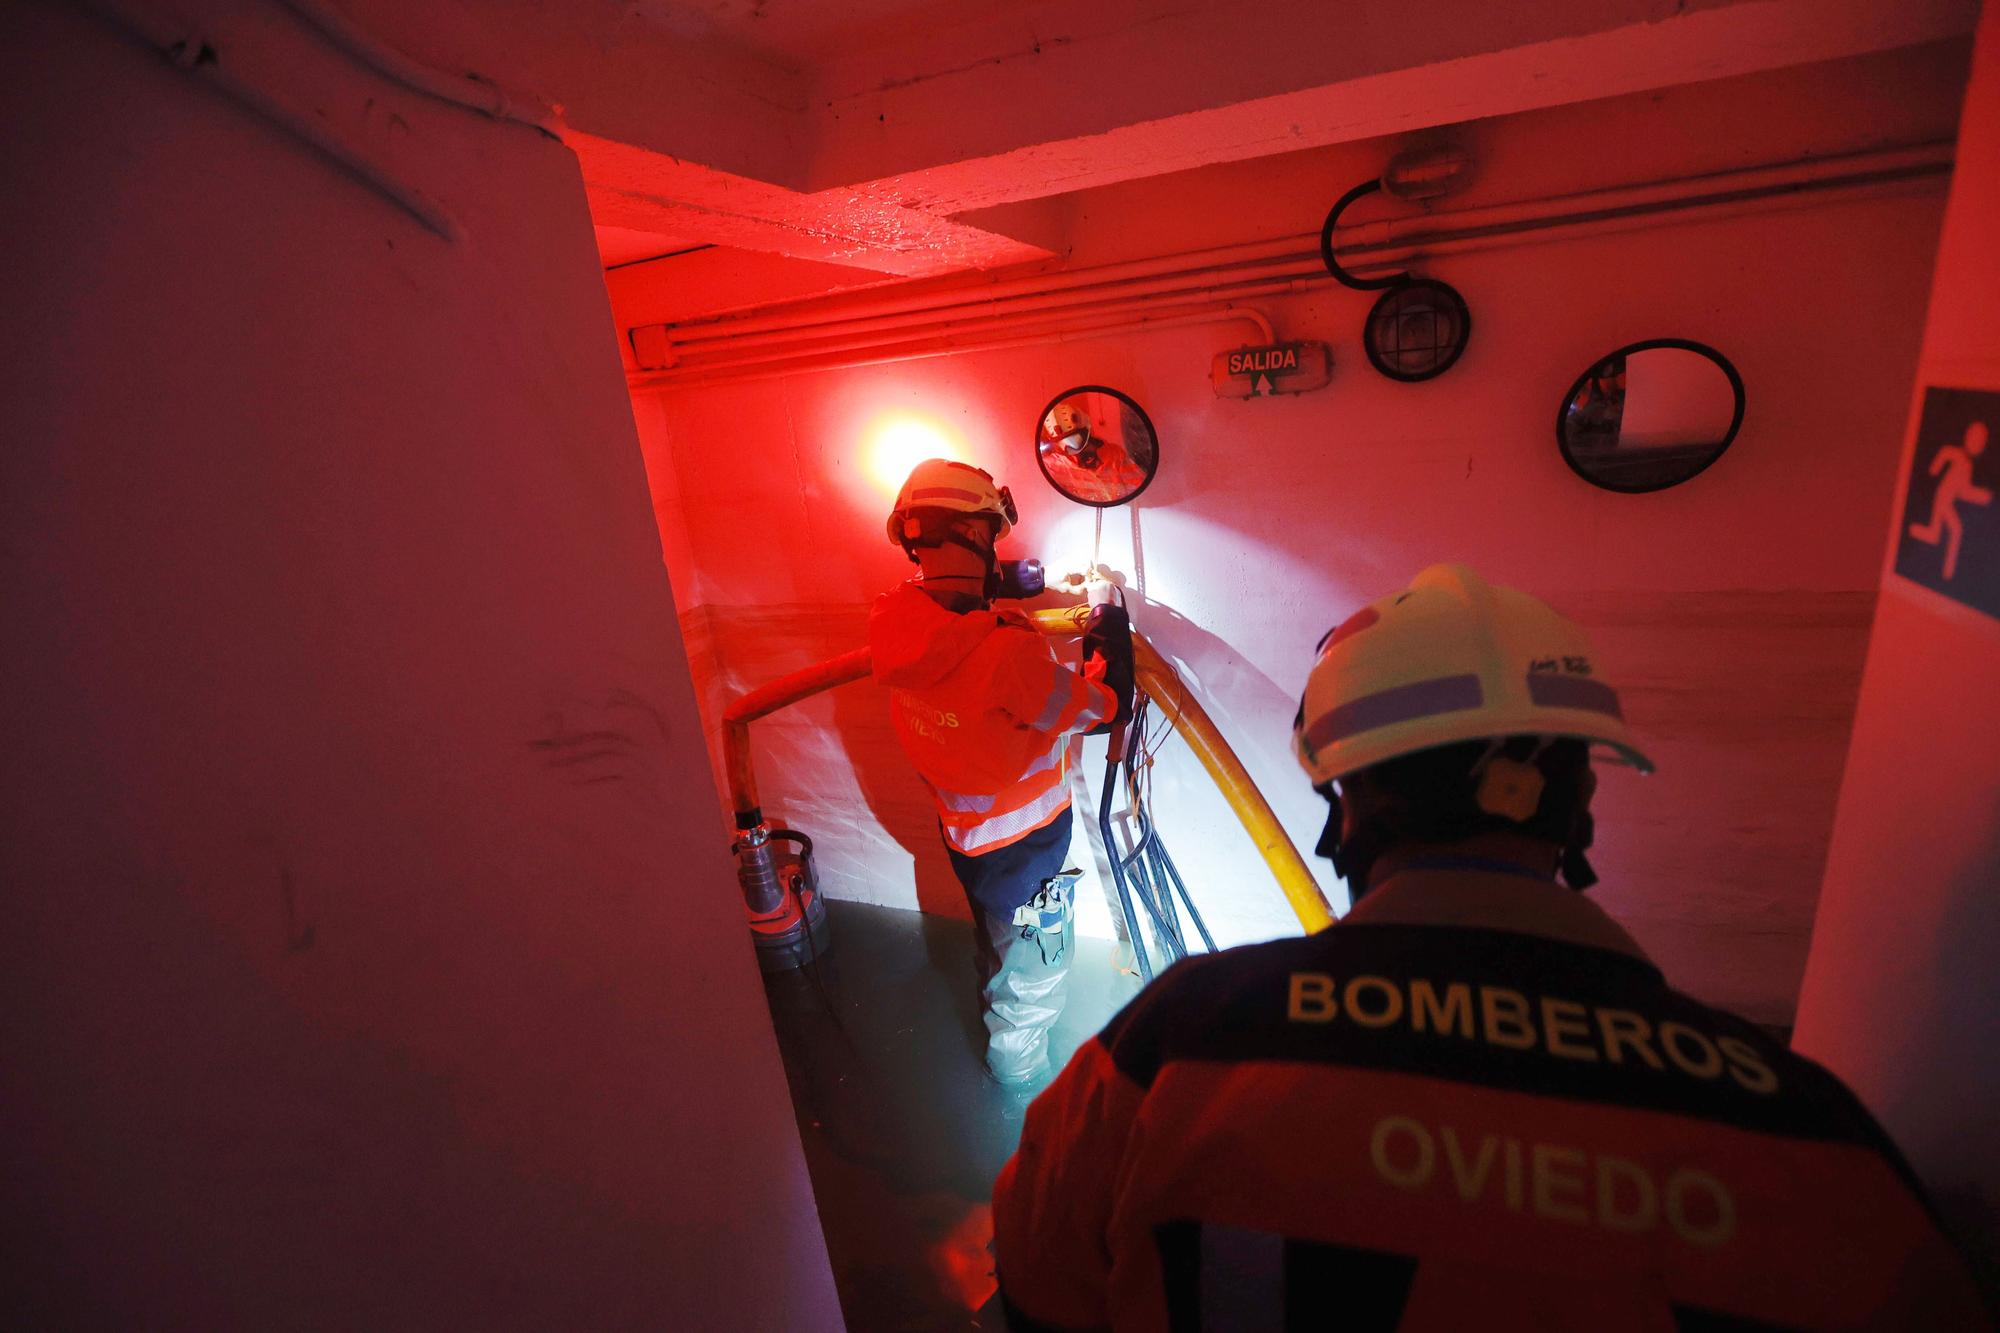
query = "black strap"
{"x": 1108, "y": 634}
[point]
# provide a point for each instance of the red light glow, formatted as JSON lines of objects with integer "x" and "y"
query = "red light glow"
{"x": 893, "y": 445}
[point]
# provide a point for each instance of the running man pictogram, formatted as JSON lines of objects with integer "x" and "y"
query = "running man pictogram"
{"x": 1956, "y": 462}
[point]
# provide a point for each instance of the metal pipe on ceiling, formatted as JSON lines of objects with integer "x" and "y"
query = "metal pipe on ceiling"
{"x": 1027, "y": 323}
{"x": 661, "y": 380}
{"x": 1200, "y": 283}
{"x": 959, "y": 292}
{"x": 1771, "y": 185}
{"x": 811, "y": 329}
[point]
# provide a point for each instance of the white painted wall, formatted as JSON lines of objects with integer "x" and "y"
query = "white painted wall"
{"x": 1737, "y": 605}
{"x": 371, "y": 955}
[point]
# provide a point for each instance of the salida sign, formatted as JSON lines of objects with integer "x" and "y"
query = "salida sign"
{"x": 1252, "y": 372}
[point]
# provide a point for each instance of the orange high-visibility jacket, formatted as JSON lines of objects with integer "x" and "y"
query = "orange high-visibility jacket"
{"x": 984, "y": 711}
{"x": 1472, "y": 1104}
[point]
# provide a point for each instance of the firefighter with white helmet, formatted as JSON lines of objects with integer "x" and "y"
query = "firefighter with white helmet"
{"x": 1474, "y": 1102}
{"x": 1459, "y": 663}
{"x": 985, "y": 713}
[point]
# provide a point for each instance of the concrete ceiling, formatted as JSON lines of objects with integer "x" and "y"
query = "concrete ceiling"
{"x": 914, "y": 138}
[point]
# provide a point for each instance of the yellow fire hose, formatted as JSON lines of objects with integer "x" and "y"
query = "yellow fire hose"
{"x": 1170, "y": 694}
{"x": 1153, "y": 675}
{"x": 769, "y": 698}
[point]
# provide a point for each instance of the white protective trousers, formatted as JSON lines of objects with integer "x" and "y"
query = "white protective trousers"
{"x": 1024, "y": 965}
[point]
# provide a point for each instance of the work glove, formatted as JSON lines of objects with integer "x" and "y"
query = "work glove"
{"x": 1107, "y": 659}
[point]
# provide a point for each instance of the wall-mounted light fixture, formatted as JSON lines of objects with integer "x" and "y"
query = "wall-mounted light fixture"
{"x": 1420, "y": 326}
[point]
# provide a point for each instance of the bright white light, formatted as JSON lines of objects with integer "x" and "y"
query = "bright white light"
{"x": 894, "y": 445}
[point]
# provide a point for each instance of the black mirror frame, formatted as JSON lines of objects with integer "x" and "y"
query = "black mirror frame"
{"x": 1122, "y": 397}
{"x": 1649, "y": 344}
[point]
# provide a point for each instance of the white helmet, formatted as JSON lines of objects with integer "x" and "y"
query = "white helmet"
{"x": 1451, "y": 658}
{"x": 1066, "y": 427}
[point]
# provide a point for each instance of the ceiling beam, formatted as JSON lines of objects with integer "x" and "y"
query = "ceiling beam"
{"x": 909, "y": 149}
{"x": 640, "y": 190}
{"x": 1228, "y": 82}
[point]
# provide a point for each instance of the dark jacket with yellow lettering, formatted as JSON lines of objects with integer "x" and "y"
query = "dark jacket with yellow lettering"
{"x": 1472, "y": 1104}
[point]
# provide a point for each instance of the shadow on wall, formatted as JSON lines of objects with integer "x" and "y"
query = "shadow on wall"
{"x": 830, "y": 765}
{"x": 1212, "y": 670}
{"x": 1222, "y": 574}
{"x": 1967, "y": 937}
{"x": 1254, "y": 714}
{"x": 896, "y": 796}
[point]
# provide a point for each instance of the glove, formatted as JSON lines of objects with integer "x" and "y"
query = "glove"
{"x": 1107, "y": 659}
{"x": 1099, "y": 591}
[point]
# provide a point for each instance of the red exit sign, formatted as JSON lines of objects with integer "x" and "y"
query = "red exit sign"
{"x": 1254, "y": 372}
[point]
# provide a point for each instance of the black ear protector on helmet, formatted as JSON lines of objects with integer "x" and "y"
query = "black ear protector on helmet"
{"x": 1510, "y": 787}
{"x": 928, "y": 529}
{"x": 1507, "y": 799}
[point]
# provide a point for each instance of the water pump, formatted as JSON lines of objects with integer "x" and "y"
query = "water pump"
{"x": 780, "y": 896}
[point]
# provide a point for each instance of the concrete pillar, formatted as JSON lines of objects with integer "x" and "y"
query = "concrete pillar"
{"x": 1902, "y": 988}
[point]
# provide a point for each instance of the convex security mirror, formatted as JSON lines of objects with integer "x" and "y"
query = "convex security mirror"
{"x": 1096, "y": 446}
{"x": 1650, "y": 415}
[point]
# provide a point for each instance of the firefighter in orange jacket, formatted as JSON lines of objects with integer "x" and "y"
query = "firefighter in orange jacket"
{"x": 1090, "y": 466}
{"x": 1474, "y": 1102}
{"x": 985, "y": 712}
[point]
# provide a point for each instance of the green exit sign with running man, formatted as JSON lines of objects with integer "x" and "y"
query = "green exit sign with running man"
{"x": 1257, "y": 372}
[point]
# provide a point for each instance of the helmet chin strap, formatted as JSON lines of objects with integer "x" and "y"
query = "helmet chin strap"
{"x": 989, "y": 579}
{"x": 1576, "y": 870}
{"x": 989, "y": 582}
{"x": 1352, "y": 857}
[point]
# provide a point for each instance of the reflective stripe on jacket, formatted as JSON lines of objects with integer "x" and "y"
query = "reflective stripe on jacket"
{"x": 1475, "y": 1106}
{"x": 983, "y": 709}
